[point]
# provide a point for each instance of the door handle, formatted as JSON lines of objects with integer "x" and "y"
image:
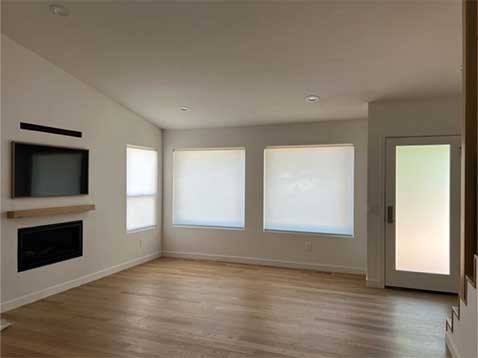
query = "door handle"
{"x": 390, "y": 214}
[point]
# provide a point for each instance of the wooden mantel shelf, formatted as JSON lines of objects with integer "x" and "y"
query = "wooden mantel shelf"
{"x": 59, "y": 210}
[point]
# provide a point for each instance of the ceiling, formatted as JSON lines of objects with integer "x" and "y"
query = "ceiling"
{"x": 249, "y": 62}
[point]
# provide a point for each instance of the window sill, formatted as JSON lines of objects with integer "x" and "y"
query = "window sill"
{"x": 147, "y": 228}
{"x": 308, "y": 233}
{"x": 209, "y": 227}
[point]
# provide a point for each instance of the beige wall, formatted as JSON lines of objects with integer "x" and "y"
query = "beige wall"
{"x": 431, "y": 117}
{"x": 34, "y": 90}
{"x": 253, "y": 244}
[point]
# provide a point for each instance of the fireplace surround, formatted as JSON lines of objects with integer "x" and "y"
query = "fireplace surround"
{"x": 47, "y": 244}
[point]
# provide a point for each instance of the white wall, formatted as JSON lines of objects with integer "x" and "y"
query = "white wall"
{"x": 431, "y": 117}
{"x": 462, "y": 342}
{"x": 253, "y": 244}
{"x": 34, "y": 90}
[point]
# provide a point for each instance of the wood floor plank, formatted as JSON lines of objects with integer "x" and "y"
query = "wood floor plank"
{"x": 189, "y": 309}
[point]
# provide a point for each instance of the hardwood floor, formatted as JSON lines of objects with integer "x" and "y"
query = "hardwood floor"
{"x": 178, "y": 308}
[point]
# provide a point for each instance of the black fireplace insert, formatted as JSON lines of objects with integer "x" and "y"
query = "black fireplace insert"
{"x": 44, "y": 245}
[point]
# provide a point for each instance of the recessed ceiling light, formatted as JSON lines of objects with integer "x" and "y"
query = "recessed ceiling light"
{"x": 312, "y": 98}
{"x": 185, "y": 109}
{"x": 59, "y": 10}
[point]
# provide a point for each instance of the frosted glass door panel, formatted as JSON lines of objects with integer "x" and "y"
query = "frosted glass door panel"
{"x": 422, "y": 202}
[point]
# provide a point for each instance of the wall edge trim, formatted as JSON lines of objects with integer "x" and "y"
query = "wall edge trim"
{"x": 451, "y": 345}
{"x": 375, "y": 283}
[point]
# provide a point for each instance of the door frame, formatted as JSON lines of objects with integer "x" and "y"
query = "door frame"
{"x": 417, "y": 280}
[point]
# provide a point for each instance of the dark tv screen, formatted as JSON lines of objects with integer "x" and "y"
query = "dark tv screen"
{"x": 41, "y": 171}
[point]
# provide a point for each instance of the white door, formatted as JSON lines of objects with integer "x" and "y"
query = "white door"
{"x": 422, "y": 213}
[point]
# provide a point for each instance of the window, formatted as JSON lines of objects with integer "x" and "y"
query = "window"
{"x": 309, "y": 189}
{"x": 142, "y": 187}
{"x": 208, "y": 187}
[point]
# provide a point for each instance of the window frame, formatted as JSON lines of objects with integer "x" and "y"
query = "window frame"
{"x": 155, "y": 195}
{"x": 213, "y": 227}
{"x": 308, "y": 233}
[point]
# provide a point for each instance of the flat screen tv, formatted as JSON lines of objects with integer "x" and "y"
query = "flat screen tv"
{"x": 42, "y": 171}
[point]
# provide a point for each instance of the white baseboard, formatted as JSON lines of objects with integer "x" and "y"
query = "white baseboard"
{"x": 451, "y": 345}
{"x": 264, "y": 262}
{"x": 375, "y": 284}
{"x": 35, "y": 296}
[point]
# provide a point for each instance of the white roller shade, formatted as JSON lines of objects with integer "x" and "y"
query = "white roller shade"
{"x": 208, "y": 187}
{"x": 309, "y": 189}
{"x": 142, "y": 187}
